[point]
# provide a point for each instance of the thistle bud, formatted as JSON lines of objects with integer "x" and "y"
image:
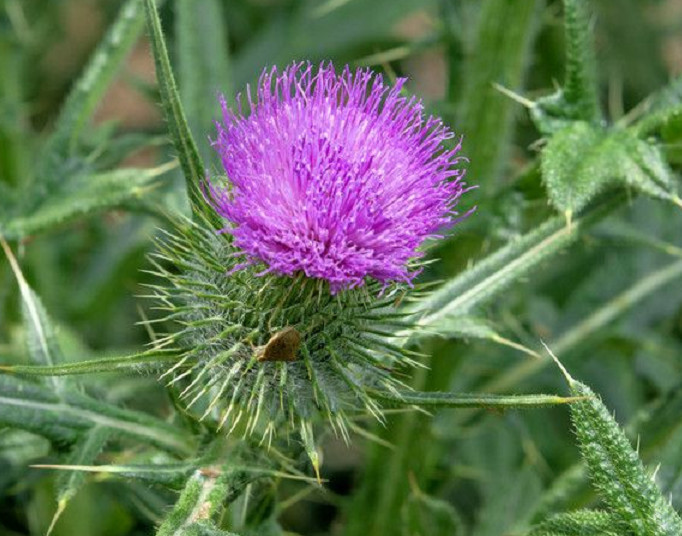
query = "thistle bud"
{"x": 289, "y": 312}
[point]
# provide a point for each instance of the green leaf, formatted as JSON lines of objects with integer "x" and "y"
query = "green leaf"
{"x": 83, "y": 452}
{"x": 31, "y": 407}
{"x": 85, "y": 196}
{"x": 659, "y": 109}
{"x": 655, "y": 426}
{"x": 467, "y": 400}
{"x": 88, "y": 91}
{"x": 40, "y": 336}
{"x": 192, "y": 165}
{"x": 581, "y": 161}
{"x": 112, "y": 151}
{"x": 172, "y": 475}
{"x": 580, "y": 523}
{"x": 203, "y": 66}
{"x": 467, "y": 327}
{"x": 131, "y": 363}
{"x": 495, "y": 273}
{"x": 616, "y": 470}
{"x": 591, "y": 324}
{"x": 644, "y": 168}
{"x": 569, "y": 185}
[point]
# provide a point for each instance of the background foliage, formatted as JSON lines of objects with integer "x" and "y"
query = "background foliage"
{"x": 576, "y": 241}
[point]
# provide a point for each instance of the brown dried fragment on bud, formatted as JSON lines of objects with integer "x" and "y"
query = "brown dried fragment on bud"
{"x": 210, "y": 471}
{"x": 282, "y": 346}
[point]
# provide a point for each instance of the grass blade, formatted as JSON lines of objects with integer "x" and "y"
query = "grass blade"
{"x": 88, "y": 91}
{"x": 204, "y": 65}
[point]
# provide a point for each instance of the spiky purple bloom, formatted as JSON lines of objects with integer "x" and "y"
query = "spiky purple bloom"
{"x": 335, "y": 175}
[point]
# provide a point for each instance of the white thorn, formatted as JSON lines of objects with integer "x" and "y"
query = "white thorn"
{"x": 514, "y": 96}
{"x": 563, "y": 370}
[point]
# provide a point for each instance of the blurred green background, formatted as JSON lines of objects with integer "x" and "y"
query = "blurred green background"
{"x": 482, "y": 472}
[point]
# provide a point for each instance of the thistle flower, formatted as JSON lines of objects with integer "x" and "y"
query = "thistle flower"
{"x": 334, "y": 183}
{"x": 338, "y": 176}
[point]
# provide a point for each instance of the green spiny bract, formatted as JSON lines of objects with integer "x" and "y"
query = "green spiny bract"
{"x": 226, "y": 315}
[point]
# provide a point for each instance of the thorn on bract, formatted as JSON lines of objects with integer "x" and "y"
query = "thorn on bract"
{"x": 563, "y": 370}
{"x": 514, "y": 96}
{"x": 315, "y": 460}
{"x": 569, "y": 219}
{"x": 61, "y": 506}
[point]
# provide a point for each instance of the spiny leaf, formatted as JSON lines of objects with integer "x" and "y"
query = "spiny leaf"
{"x": 659, "y": 109}
{"x": 174, "y": 475}
{"x": 131, "y": 363}
{"x": 310, "y": 447}
{"x": 87, "y": 93}
{"x": 31, "y": 407}
{"x": 468, "y": 327}
{"x": 581, "y": 161}
{"x": 468, "y": 400}
{"x": 85, "y": 195}
{"x": 616, "y": 470}
{"x": 644, "y": 168}
{"x": 496, "y": 272}
{"x": 203, "y": 65}
{"x": 568, "y": 185}
{"x": 112, "y": 151}
{"x": 465, "y": 326}
{"x": 580, "y": 523}
{"x": 656, "y": 424}
{"x": 192, "y": 165}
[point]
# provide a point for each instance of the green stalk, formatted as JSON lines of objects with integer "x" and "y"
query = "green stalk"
{"x": 192, "y": 164}
{"x": 499, "y": 55}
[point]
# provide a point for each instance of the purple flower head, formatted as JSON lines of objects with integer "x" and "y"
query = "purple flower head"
{"x": 335, "y": 175}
